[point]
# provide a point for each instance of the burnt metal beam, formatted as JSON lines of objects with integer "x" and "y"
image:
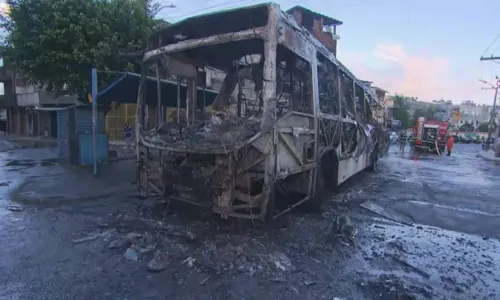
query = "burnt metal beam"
{"x": 207, "y": 41}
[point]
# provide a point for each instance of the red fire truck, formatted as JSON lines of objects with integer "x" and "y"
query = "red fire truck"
{"x": 430, "y": 135}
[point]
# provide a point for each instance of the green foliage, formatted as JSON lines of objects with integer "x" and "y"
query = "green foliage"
{"x": 428, "y": 113}
{"x": 483, "y": 127}
{"x": 401, "y": 111}
{"x": 55, "y": 43}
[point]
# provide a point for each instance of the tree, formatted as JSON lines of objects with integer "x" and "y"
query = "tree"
{"x": 401, "y": 111}
{"x": 428, "y": 113}
{"x": 55, "y": 43}
{"x": 483, "y": 127}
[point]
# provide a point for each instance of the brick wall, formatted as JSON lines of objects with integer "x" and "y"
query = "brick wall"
{"x": 317, "y": 31}
{"x": 324, "y": 37}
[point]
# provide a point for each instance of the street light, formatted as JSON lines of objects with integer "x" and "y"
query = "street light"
{"x": 162, "y": 7}
{"x": 486, "y": 82}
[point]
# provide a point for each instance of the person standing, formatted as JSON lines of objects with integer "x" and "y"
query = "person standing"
{"x": 127, "y": 132}
{"x": 449, "y": 144}
{"x": 402, "y": 140}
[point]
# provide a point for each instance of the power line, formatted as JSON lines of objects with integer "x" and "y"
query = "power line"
{"x": 219, "y": 5}
{"x": 495, "y": 51}
{"x": 492, "y": 43}
{"x": 229, "y": 5}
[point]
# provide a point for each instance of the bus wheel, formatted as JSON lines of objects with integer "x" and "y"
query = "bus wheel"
{"x": 373, "y": 161}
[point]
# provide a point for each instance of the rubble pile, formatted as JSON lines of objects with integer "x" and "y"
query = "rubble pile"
{"x": 217, "y": 131}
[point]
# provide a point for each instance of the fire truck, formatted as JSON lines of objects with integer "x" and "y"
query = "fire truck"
{"x": 430, "y": 135}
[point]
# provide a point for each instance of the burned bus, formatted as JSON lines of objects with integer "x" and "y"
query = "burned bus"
{"x": 288, "y": 118}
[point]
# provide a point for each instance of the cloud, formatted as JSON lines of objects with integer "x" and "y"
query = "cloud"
{"x": 424, "y": 76}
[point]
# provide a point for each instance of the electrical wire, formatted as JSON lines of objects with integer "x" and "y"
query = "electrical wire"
{"x": 492, "y": 43}
{"x": 224, "y": 5}
{"x": 229, "y": 5}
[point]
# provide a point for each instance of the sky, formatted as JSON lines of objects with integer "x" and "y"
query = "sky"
{"x": 428, "y": 49}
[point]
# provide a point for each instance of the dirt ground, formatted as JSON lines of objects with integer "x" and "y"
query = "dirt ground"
{"x": 434, "y": 236}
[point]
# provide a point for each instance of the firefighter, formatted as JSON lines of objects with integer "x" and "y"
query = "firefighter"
{"x": 402, "y": 140}
{"x": 449, "y": 144}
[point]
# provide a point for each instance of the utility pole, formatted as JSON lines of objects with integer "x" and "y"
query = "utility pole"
{"x": 493, "y": 111}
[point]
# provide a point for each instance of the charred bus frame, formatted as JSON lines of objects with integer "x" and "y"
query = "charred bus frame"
{"x": 305, "y": 124}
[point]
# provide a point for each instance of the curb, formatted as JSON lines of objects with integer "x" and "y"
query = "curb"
{"x": 487, "y": 157}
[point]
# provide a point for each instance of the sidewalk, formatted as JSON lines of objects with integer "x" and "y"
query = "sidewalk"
{"x": 118, "y": 151}
{"x": 28, "y": 141}
{"x": 488, "y": 155}
{"x": 38, "y": 179}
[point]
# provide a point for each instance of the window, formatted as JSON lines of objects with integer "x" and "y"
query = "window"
{"x": 2, "y": 89}
{"x": 307, "y": 20}
{"x": 293, "y": 83}
{"x": 347, "y": 97}
{"x": 1, "y": 62}
{"x": 328, "y": 86}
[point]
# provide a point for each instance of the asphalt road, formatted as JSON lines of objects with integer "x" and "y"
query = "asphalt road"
{"x": 443, "y": 244}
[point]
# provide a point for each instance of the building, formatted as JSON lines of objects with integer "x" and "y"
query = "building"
{"x": 379, "y": 112}
{"x": 7, "y": 94}
{"x": 320, "y": 26}
{"x": 389, "y": 110}
{"x": 29, "y": 110}
{"x": 470, "y": 112}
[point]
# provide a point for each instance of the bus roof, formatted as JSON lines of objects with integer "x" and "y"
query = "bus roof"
{"x": 242, "y": 18}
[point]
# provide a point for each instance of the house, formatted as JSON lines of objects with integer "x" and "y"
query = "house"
{"x": 39, "y": 108}
{"x": 7, "y": 94}
{"x": 389, "y": 110}
{"x": 322, "y": 27}
{"x": 22, "y": 101}
{"x": 379, "y": 111}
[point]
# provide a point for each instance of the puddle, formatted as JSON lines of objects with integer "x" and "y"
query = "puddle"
{"x": 20, "y": 163}
{"x": 48, "y": 162}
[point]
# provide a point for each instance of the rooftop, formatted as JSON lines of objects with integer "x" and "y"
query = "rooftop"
{"x": 326, "y": 19}
{"x": 379, "y": 89}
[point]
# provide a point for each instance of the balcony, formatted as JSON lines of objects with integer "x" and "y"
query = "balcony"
{"x": 40, "y": 98}
{"x": 30, "y": 96}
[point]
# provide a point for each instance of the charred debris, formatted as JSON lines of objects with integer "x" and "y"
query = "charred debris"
{"x": 258, "y": 135}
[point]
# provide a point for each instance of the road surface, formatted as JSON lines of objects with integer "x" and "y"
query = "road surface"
{"x": 443, "y": 243}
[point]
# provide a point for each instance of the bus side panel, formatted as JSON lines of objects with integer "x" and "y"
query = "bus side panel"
{"x": 351, "y": 166}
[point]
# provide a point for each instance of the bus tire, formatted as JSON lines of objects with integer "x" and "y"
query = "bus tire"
{"x": 328, "y": 168}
